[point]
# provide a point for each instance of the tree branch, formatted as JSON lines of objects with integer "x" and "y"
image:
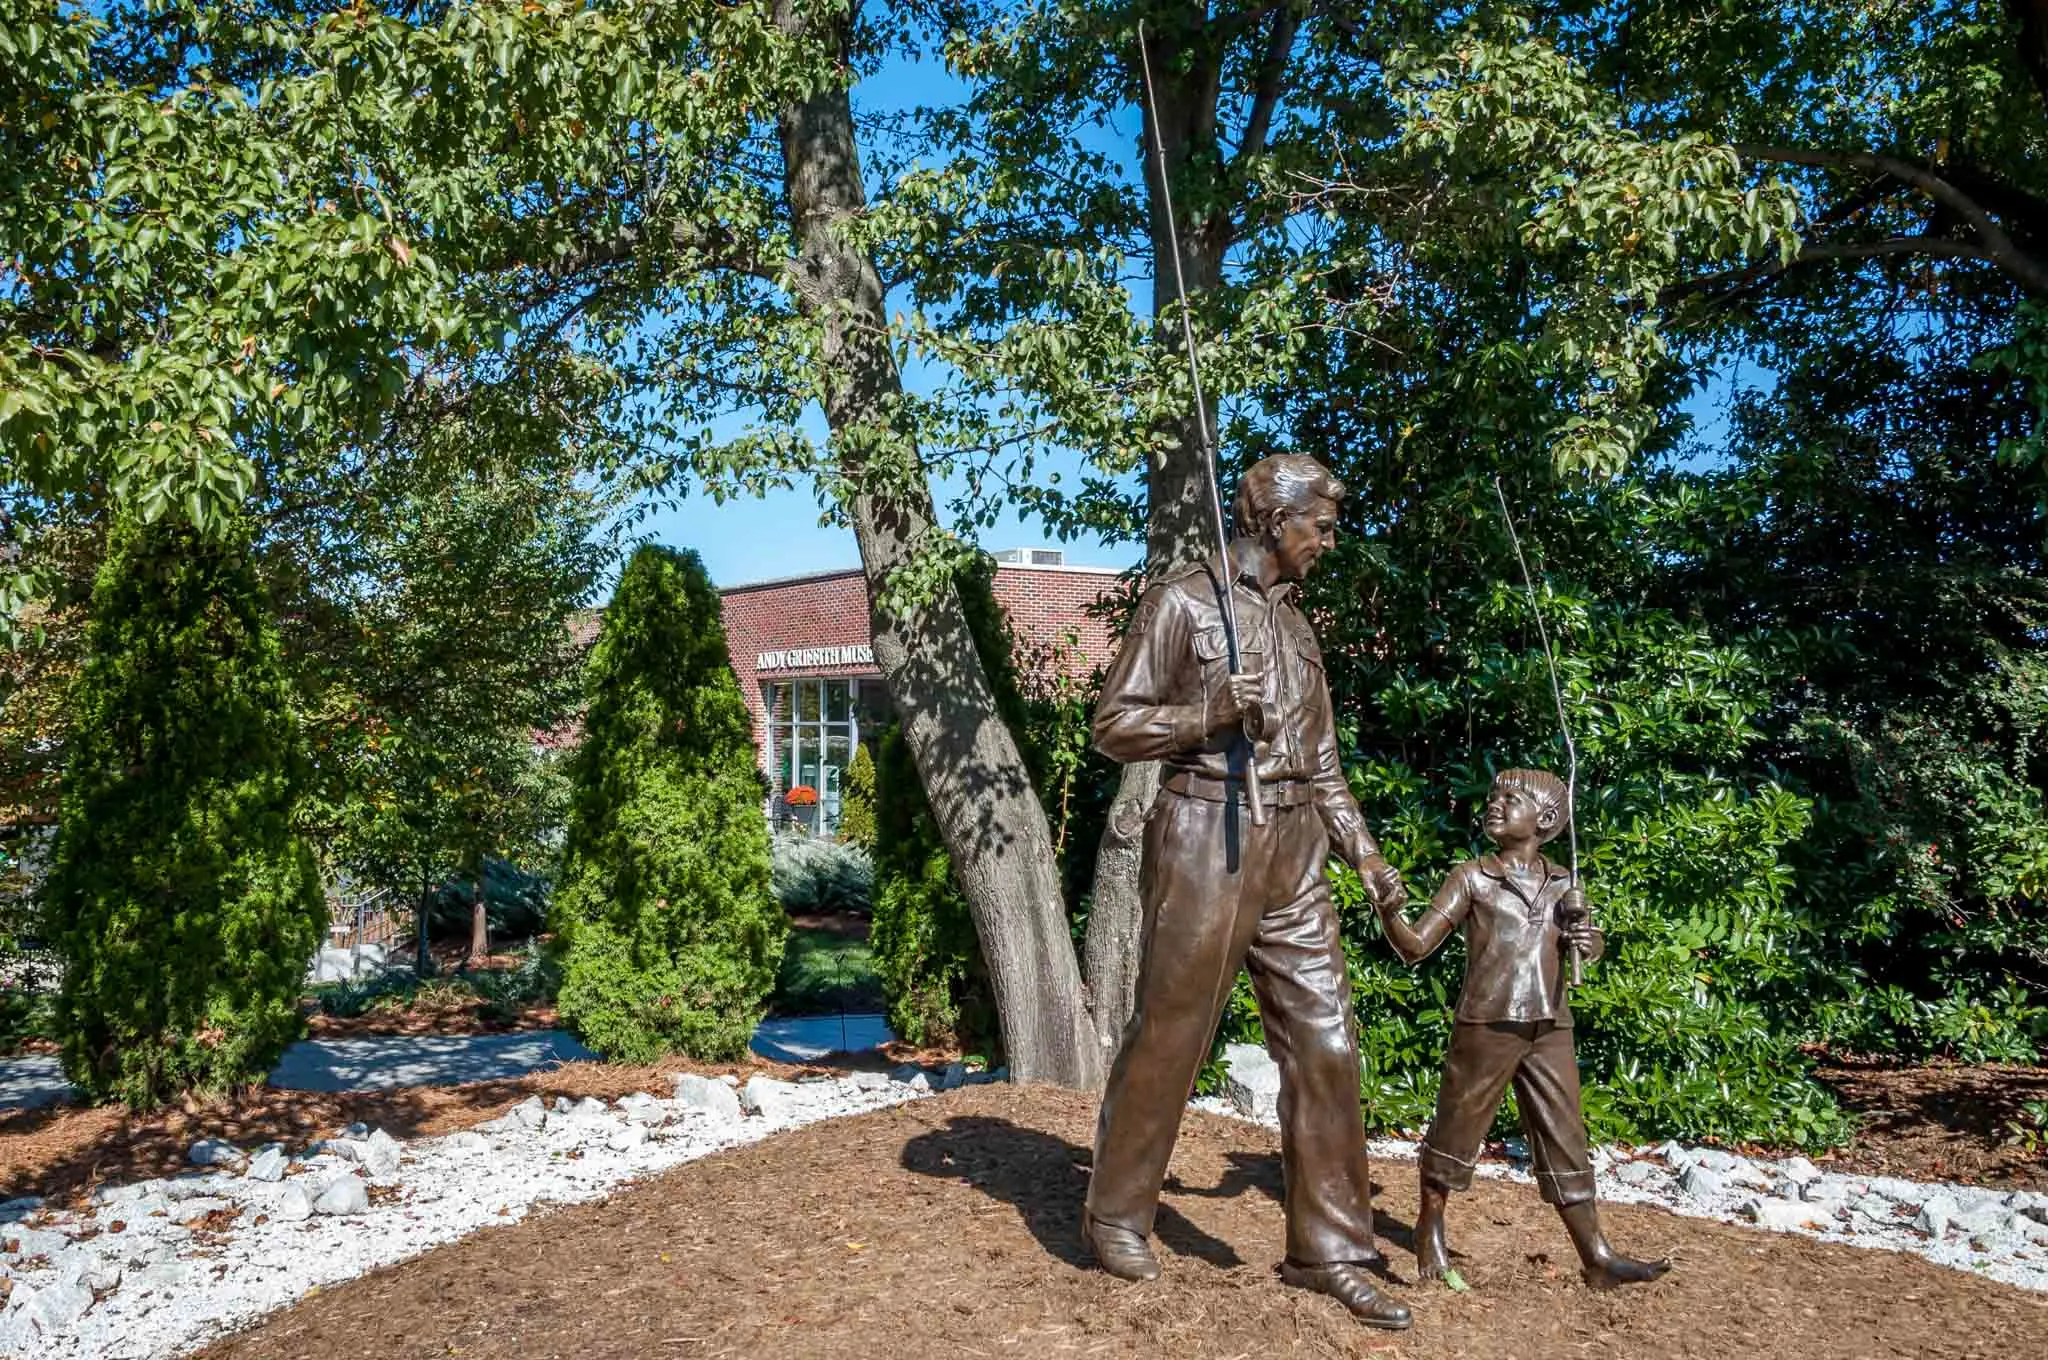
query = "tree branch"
{"x": 1737, "y": 280}
{"x": 1271, "y": 79}
{"x": 1997, "y": 246}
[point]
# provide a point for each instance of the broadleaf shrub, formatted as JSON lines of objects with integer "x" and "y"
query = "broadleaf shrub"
{"x": 666, "y": 912}
{"x": 183, "y": 902}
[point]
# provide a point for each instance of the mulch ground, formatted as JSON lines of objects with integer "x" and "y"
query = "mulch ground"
{"x": 1944, "y": 1121}
{"x": 949, "y": 1227}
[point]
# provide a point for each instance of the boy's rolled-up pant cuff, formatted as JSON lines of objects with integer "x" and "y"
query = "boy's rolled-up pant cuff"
{"x": 1565, "y": 1187}
{"x": 1444, "y": 1169}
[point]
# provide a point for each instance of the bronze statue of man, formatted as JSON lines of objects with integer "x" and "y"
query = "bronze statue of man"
{"x": 1219, "y": 891}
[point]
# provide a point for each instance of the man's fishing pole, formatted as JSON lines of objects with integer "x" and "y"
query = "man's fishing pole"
{"x": 1227, "y": 590}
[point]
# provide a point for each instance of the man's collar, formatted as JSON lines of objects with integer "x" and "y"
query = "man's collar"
{"x": 1493, "y": 866}
{"x": 1244, "y": 558}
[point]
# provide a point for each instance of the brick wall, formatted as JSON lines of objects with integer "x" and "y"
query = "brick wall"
{"x": 830, "y": 609}
{"x": 827, "y": 610}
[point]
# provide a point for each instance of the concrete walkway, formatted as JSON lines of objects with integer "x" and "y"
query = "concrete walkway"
{"x": 385, "y": 1062}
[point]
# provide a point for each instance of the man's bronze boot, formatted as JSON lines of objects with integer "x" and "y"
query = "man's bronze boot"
{"x": 1119, "y": 1251}
{"x": 1351, "y": 1286}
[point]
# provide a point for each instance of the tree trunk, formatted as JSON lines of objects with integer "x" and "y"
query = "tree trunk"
{"x": 479, "y": 922}
{"x": 974, "y": 777}
{"x": 1180, "y": 528}
{"x": 423, "y": 958}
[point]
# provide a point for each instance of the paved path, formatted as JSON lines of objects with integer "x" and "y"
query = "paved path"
{"x": 383, "y": 1062}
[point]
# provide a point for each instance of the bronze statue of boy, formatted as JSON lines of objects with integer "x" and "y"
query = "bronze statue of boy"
{"x": 1520, "y": 913}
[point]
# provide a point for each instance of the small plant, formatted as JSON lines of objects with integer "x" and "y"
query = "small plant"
{"x": 510, "y": 994}
{"x": 803, "y": 795}
{"x": 2030, "y": 1129}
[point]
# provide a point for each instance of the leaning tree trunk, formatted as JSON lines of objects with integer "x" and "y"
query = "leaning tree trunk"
{"x": 1180, "y": 528}
{"x": 974, "y": 777}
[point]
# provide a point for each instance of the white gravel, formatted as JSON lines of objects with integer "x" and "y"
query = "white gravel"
{"x": 360, "y": 1200}
{"x": 2000, "y": 1235}
{"x": 156, "y": 1289}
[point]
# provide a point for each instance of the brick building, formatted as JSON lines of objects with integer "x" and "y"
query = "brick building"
{"x": 801, "y": 648}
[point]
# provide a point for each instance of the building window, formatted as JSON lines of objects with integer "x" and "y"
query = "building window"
{"x": 814, "y": 726}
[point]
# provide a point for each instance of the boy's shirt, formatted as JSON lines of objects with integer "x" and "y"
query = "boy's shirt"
{"x": 1514, "y": 968}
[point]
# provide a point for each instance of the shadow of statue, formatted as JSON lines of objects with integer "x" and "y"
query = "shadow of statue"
{"x": 1046, "y": 1180}
{"x": 1262, "y": 1173}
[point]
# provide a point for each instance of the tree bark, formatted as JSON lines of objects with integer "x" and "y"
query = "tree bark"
{"x": 974, "y": 776}
{"x": 479, "y": 922}
{"x": 1180, "y": 527}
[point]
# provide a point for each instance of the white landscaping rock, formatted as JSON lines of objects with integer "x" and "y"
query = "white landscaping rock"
{"x": 1699, "y": 1182}
{"x": 347, "y": 1195}
{"x": 1253, "y": 1083}
{"x": 530, "y": 1113}
{"x": 1800, "y": 1171}
{"x": 192, "y": 1210}
{"x": 470, "y": 1141}
{"x": 381, "y": 1155}
{"x": 714, "y": 1098}
{"x": 296, "y": 1206}
{"x": 628, "y": 1138}
{"x": 54, "y": 1307}
{"x": 641, "y": 1108}
{"x": 32, "y": 1242}
{"x": 268, "y": 1165}
{"x": 768, "y": 1098}
{"x": 1935, "y": 1216}
{"x": 213, "y": 1152}
{"x": 1785, "y": 1215}
{"x": 871, "y": 1081}
{"x": 919, "y": 1083}
{"x": 1635, "y": 1173}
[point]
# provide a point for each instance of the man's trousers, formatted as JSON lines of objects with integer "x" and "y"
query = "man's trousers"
{"x": 1210, "y": 907}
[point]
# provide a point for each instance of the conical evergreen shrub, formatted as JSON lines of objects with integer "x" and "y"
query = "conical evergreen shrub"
{"x": 666, "y": 915}
{"x": 184, "y": 905}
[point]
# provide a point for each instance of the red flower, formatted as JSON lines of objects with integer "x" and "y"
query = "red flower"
{"x": 803, "y": 795}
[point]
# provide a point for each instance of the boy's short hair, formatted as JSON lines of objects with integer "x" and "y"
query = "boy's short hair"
{"x": 1546, "y": 788}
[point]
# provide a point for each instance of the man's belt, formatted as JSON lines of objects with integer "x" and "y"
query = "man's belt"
{"x": 1278, "y": 792}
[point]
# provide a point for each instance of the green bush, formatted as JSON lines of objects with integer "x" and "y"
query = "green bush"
{"x": 666, "y": 913}
{"x": 183, "y": 903}
{"x": 926, "y": 951}
{"x": 857, "y": 801}
{"x": 813, "y": 874}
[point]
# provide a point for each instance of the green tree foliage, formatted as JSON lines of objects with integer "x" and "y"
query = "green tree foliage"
{"x": 183, "y": 902}
{"x": 671, "y": 932}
